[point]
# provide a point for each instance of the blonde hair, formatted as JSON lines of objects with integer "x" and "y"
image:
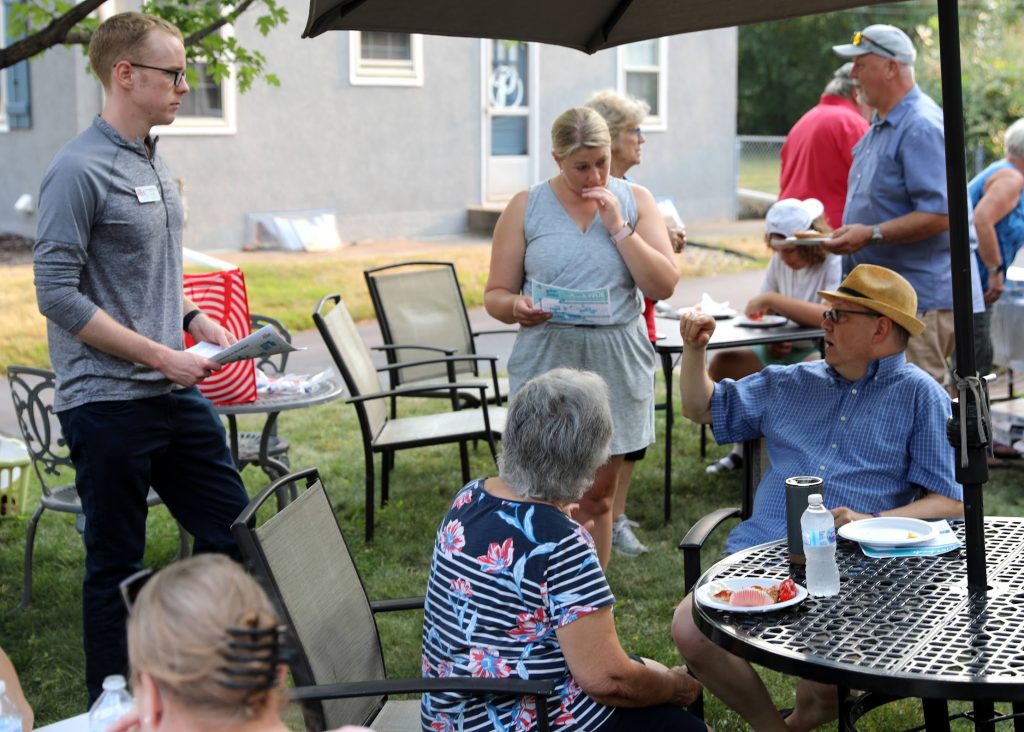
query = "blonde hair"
{"x": 619, "y": 112}
{"x": 121, "y": 36}
{"x": 577, "y": 128}
{"x": 178, "y": 635}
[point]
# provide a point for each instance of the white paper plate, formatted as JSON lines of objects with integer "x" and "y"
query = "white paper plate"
{"x": 889, "y": 531}
{"x": 766, "y": 321}
{"x": 815, "y": 240}
{"x": 719, "y": 314}
{"x": 738, "y": 583}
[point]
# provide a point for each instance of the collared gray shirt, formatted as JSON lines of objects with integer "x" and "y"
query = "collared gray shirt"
{"x": 109, "y": 237}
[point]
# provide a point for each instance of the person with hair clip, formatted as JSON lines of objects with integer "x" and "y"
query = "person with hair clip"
{"x": 205, "y": 647}
{"x": 586, "y": 237}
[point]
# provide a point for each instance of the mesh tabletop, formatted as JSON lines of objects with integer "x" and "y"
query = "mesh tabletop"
{"x": 901, "y": 626}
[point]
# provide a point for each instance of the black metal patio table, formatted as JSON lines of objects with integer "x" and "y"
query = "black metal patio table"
{"x": 899, "y": 627}
{"x": 728, "y": 334}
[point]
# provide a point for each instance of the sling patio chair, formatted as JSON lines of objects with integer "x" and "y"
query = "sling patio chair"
{"x": 32, "y": 391}
{"x": 386, "y": 435}
{"x": 301, "y": 557}
{"x": 419, "y": 306}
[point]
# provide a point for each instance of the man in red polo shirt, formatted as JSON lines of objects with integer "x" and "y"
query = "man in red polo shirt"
{"x": 817, "y": 154}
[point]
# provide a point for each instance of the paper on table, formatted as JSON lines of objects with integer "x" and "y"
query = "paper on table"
{"x": 264, "y": 342}
{"x": 944, "y": 541}
{"x": 578, "y": 307}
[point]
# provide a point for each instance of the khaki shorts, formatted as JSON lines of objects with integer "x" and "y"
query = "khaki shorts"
{"x": 933, "y": 347}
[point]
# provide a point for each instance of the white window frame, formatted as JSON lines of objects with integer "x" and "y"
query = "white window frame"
{"x": 652, "y": 122}
{"x": 227, "y": 124}
{"x": 382, "y": 72}
{"x": 4, "y": 124}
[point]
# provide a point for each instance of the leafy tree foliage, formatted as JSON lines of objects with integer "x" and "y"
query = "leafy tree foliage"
{"x": 42, "y": 24}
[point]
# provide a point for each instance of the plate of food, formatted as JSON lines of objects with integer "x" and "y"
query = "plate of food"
{"x": 761, "y": 321}
{"x": 889, "y": 531}
{"x": 719, "y": 313}
{"x": 807, "y": 237}
{"x": 750, "y": 594}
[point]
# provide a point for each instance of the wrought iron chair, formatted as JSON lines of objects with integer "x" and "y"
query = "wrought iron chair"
{"x": 301, "y": 557}
{"x": 419, "y": 306}
{"x": 249, "y": 442}
{"x": 385, "y": 435}
{"x": 32, "y": 391}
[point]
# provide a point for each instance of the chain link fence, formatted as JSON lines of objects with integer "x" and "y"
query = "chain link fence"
{"x": 757, "y": 162}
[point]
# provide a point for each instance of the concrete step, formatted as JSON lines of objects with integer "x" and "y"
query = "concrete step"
{"x": 481, "y": 219}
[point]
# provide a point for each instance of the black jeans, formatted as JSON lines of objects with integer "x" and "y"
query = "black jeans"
{"x": 174, "y": 443}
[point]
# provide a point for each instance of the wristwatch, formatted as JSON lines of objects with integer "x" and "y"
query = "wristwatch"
{"x": 876, "y": 234}
{"x": 622, "y": 233}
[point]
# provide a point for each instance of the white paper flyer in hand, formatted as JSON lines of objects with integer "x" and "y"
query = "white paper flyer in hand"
{"x": 944, "y": 541}
{"x": 264, "y": 342}
{"x": 576, "y": 307}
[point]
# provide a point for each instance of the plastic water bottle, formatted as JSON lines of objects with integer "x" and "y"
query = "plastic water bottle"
{"x": 113, "y": 703}
{"x": 819, "y": 534}
{"x": 10, "y": 715}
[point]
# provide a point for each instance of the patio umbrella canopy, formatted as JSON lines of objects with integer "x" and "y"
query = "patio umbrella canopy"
{"x": 593, "y": 25}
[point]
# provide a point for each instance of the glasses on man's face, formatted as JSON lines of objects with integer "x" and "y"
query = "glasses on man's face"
{"x": 836, "y": 314}
{"x": 859, "y": 38}
{"x": 131, "y": 586}
{"x": 178, "y": 74}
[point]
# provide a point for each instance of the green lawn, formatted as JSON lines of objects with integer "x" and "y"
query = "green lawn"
{"x": 45, "y": 641}
{"x": 759, "y": 171}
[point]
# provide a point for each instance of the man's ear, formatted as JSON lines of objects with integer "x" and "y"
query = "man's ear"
{"x": 122, "y": 75}
{"x": 883, "y": 327}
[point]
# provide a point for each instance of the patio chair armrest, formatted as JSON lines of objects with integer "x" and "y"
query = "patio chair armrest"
{"x": 695, "y": 539}
{"x": 347, "y": 690}
{"x": 410, "y": 346}
{"x": 441, "y": 359}
{"x": 419, "y": 391}
{"x": 498, "y": 331}
{"x": 398, "y": 603}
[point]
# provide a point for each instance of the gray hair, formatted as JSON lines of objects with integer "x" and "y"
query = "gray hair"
{"x": 557, "y": 434}
{"x": 620, "y": 112}
{"x": 841, "y": 85}
{"x": 1013, "y": 140}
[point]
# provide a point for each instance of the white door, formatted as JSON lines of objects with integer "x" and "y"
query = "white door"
{"x": 509, "y": 132}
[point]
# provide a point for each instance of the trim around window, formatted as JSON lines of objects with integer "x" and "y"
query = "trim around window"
{"x": 225, "y": 124}
{"x": 407, "y": 71}
{"x": 651, "y": 74}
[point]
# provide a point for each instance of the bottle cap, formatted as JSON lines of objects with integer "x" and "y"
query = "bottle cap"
{"x": 114, "y": 682}
{"x": 812, "y": 500}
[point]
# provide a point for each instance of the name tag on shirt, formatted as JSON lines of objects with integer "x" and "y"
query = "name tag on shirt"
{"x": 147, "y": 194}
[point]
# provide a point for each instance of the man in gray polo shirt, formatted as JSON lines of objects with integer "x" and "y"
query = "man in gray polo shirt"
{"x": 108, "y": 276}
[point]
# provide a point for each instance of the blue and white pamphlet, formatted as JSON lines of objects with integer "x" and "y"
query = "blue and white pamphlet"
{"x": 573, "y": 307}
{"x": 944, "y": 541}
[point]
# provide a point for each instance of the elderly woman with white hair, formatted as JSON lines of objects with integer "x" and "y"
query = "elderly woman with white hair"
{"x": 516, "y": 589}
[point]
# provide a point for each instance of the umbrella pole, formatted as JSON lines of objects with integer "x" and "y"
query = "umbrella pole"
{"x": 974, "y": 473}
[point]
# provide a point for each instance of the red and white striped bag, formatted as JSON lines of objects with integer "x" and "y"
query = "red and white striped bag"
{"x": 222, "y": 296}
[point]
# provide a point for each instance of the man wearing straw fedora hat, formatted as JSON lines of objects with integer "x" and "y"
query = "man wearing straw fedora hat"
{"x": 871, "y": 425}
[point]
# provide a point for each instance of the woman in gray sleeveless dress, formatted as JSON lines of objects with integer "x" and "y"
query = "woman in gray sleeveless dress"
{"x": 601, "y": 240}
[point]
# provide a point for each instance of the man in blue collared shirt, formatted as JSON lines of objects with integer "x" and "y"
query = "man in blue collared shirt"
{"x": 866, "y": 421}
{"x": 896, "y": 211}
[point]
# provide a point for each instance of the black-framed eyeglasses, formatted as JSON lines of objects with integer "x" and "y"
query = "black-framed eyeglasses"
{"x": 131, "y": 586}
{"x": 836, "y": 314}
{"x": 859, "y": 38}
{"x": 178, "y": 74}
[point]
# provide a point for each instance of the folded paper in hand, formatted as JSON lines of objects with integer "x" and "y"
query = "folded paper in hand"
{"x": 264, "y": 342}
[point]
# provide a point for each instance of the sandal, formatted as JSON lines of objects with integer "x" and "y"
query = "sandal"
{"x": 732, "y": 461}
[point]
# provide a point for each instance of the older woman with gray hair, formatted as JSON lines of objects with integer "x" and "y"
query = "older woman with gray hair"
{"x": 516, "y": 589}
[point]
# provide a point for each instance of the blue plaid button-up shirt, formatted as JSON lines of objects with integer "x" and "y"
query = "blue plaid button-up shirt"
{"x": 873, "y": 441}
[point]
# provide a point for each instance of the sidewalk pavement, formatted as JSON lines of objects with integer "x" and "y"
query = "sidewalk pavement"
{"x": 315, "y": 358}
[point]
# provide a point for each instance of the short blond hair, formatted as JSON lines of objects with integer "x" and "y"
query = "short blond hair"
{"x": 577, "y": 128}
{"x": 178, "y": 635}
{"x": 619, "y": 112}
{"x": 121, "y": 36}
